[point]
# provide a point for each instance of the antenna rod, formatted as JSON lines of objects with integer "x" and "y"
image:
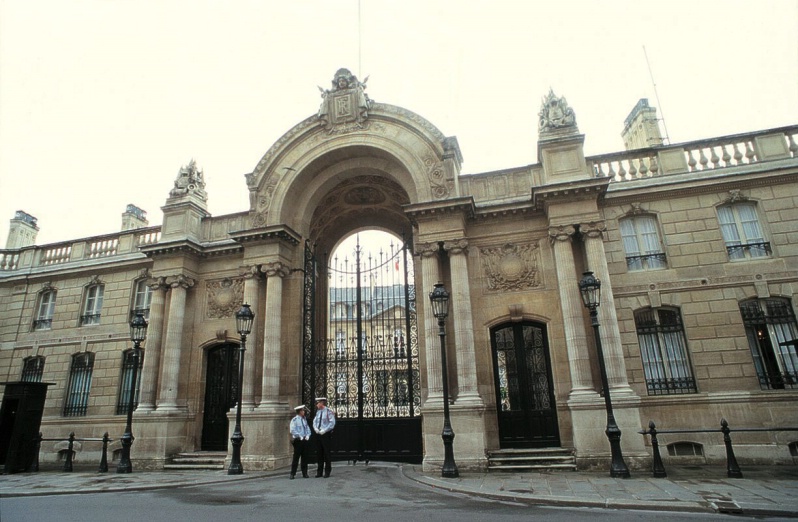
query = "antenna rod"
{"x": 359, "y": 41}
{"x": 656, "y": 95}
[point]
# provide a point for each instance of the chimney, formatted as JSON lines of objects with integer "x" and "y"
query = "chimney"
{"x": 134, "y": 218}
{"x": 22, "y": 231}
{"x": 641, "y": 127}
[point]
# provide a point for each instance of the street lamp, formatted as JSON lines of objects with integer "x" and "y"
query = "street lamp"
{"x": 138, "y": 332}
{"x": 440, "y": 309}
{"x": 244, "y": 318}
{"x": 590, "y": 288}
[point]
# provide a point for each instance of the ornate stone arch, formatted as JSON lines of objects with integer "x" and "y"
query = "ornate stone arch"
{"x": 309, "y": 161}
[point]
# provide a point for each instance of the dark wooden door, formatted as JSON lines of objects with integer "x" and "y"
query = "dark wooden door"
{"x": 220, "y": 395}
{"x": 525, "y": 402}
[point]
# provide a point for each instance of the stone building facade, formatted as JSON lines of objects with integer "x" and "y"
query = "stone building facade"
{"x": 695, "y": 244}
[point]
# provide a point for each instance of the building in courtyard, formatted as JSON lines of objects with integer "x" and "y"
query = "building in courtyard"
{"x": 695, "y": 245}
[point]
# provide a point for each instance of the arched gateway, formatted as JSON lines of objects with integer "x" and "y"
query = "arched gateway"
{"x": 363, "y": 335}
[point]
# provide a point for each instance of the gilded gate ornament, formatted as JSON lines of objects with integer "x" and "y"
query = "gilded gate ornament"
{"x": 511, "y": 267}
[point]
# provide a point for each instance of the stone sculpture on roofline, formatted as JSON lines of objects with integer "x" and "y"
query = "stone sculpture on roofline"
{"x": 344, "y": 107}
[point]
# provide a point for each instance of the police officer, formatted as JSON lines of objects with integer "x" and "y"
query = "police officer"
{"x": 300, "y": 435}
{"x": 323, "y": 424}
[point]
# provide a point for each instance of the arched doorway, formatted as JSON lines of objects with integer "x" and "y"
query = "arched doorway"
{"x": 360, "y": 350}
{"x": 221, "y": 381}
{"x": 525, "y": 401}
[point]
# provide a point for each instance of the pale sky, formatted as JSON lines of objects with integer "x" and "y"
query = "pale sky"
{"x": 102, "y": 101}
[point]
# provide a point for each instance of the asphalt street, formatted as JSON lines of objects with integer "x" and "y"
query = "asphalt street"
{"x": 352, "y": 493}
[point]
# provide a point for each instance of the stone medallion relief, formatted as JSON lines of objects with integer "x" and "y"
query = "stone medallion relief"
{"x": 511, "y": 266}
{"x": 224, "y": 297}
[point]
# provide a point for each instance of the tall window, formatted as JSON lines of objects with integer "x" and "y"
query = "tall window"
{"x": 126, "y": 382}
{"x": 141, "y": 300}
{"x": 93, "y": 305}
{"x": 44, "y": 310}
{"x": 772, "y": 336}
{"x": 77, "y": 397}
{"x": 32, "y": 369}
{"x": 641, "y": 243}
{"x": 742, "y": 232}
{"x": 664, "y": 351}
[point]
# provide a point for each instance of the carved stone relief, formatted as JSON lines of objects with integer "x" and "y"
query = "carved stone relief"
{"x": 511, "y": 266}
{"x": 224, "y": 298}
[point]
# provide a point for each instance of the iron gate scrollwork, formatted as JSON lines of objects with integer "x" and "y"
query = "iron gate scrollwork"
{"x": 360, "y": 350}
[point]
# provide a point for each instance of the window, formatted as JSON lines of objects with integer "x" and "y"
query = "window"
{"x": 641, "y": 243}
{"x": 77, "y": 397}
{"x": 685, "y": 449}
{"x": 741, "y": 231}
{"x": 772, "y": 336}
{"x": 664, "y": 351}
{"x": 93, "y": 305}
{"x": 44, "y": 310}
{"x": 32, "y": 369}
{"x": 141, "y": 300}
{"x": 126, "y": 381}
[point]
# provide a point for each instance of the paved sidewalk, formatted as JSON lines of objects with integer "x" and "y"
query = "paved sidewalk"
{"x": 764, "y": 491}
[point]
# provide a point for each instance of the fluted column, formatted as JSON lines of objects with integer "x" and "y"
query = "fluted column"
{"x": 572, "y": 314}
{"x": 272, "y": 339}
{"x": 430, "y": 274}
{"x": 608, "y": 319}
{"x": 152, "y": 359}
{"x": 167, "y": 400}
{"x": 251, "y": 275}
{"x": 463, "y": 323}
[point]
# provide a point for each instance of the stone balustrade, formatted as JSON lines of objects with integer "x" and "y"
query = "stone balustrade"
{"x": 106, "y": 246}
{"x": 698, "y": 156}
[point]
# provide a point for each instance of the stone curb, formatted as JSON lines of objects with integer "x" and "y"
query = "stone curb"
{"x": 532, "y": 499}
{"x": 139, "y": 487}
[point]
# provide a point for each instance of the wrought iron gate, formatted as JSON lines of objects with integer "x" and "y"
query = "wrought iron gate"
{"x": 360, "y": 350}
{"x": 221, "y": 387}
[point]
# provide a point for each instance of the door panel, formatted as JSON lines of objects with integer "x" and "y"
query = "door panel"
{"x": 526, "y": 408}
{"x": 220, "y": 395}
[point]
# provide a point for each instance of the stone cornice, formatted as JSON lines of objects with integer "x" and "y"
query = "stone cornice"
{"x": 187, "y": 247}
{"x": 432, "y": 209}
{"x": 589, "y": 189}
{"x": 266, "y": 235}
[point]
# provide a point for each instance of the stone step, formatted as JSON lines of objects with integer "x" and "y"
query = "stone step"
{"x": 532, "y": 467}
{"x": 532, "y": 459}
{"x": 194, "y": 466}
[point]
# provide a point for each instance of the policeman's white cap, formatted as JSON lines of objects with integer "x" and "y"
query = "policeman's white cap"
{"x": 301, "y": 407}
{"x": 321, "y": 399}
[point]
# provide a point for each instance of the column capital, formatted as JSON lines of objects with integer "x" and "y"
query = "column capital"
{"x": 457, "y": 246}
{"x": 249, "y": 271}
{"x": 275, "y": 268}
{"x": 593, "y": 229}
{"x": 180, "y": 281}
{"x": 427, "y": 249}
{"x": 561, "y": 233}
{"x": 157, "y": 283}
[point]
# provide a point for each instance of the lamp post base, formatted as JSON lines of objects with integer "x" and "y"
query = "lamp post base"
{"x": 235, "y": 467}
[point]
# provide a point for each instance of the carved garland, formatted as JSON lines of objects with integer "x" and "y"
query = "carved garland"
{"x": 511, "y": 267}
{"x": 224, "y": 297}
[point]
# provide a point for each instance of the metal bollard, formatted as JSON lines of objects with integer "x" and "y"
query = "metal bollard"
{"x": 659, "y": 467}
{"x": 68, "y": 461}
{"x": 104, "y": 458}
{"x": 38, "y": 443}
{"x": 732, "y": 468}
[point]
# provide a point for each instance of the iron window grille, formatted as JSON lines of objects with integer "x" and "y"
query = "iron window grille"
{"x": 32, "y": 369}
{"x": 126, "y": 381}
{"x": 772, "y": 334}
{"x": 663, "y": 348}
{"x": 80, "y": 372}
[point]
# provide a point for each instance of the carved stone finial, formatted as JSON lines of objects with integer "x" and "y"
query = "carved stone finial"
{"x": 555, "y": 114}
{"x": 346, "y": 105}
{"x": 190, "y": 180}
